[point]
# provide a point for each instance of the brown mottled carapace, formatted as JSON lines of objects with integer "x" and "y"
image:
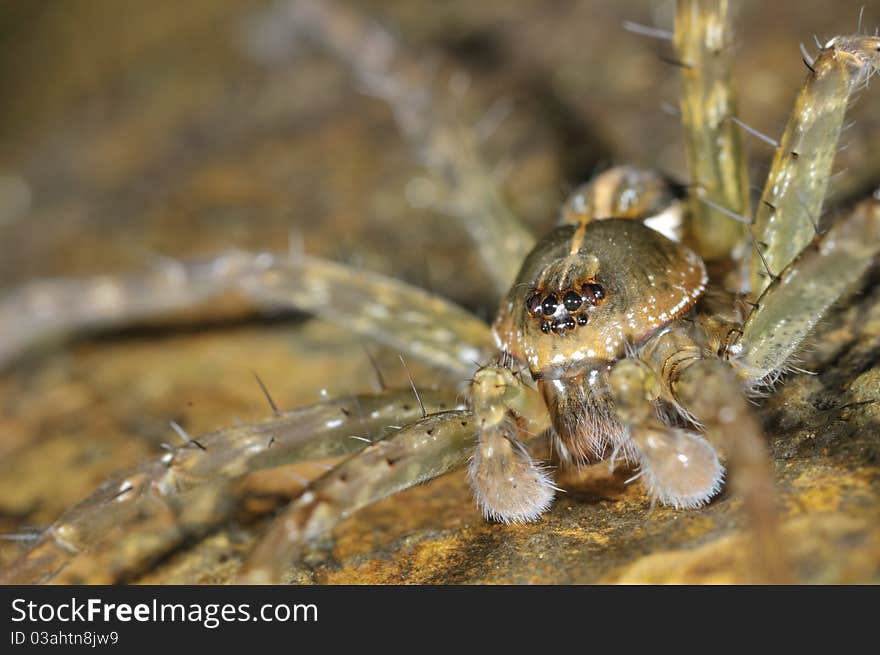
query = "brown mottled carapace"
{"x": 630, "y": 281}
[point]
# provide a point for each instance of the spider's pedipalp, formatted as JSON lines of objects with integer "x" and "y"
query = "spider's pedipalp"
{"x": 678, "y": 468}
{"x": 508, "y": 484}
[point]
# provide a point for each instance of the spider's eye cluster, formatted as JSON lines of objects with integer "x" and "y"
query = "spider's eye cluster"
{"x": 572, "y": 311}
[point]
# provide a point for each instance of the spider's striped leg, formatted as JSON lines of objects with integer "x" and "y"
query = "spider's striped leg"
{"x": 411, "y": 320}
{"x": 137, "y": 517}
{"x": 446, "y": 146}
{"x": 398, "y": 314}
{"x": 713, "y": 141}
{"x": 40, "y": 310}
{"x": 709, "y": 391}
{"x": 793, "y": 304}
{"x": 678, "y": 467}
{"x": 418, "y": 452}
{"x": 787, "y": 218}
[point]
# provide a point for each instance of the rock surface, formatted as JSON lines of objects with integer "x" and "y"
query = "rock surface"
{"x": 161, "y": 135}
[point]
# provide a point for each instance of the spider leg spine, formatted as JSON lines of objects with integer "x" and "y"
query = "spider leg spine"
{"x": 791, "y": 306}
{"x": 799, "y": 175}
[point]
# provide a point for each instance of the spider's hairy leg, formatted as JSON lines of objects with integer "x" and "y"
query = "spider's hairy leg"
{"x": 139, "y": 516}
{"x": 677, "y": 467}
{"x": 407, "y": 318}
{"x": 443, "y": 143}
{"x": 710, "y": 391}
{"x": 713, "y": 141}
{"x": 787, "y": 217}
{"x": 508, "y": 484}
{"x": 417, "y": 453}
{"x": 795, "y": 302}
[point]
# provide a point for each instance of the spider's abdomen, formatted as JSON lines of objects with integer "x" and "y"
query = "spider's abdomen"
{"x": 587, "y": 291}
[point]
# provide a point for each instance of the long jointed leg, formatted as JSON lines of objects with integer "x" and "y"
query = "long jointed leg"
{"x": 447, "y": 147}
{"x": 417, "y": 453}
{"x": 388, "y": 310}
{"x": 710, "y": 389}
{"x": 46, "y": 309}
{"x": 787, "y": 217}
{"x": 411, "y": 320}
{"x": 137, "y": 517}
{"x": 795, "y": 302}
{"x": 713, "y": 141}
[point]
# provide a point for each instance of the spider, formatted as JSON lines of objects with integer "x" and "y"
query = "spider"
{"x": 631, "y": 333}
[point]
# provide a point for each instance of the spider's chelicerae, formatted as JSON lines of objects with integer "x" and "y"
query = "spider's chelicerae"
{"x": 632, "y": 332}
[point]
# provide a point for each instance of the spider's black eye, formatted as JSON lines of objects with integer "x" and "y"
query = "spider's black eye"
{"x": 534, "y": 304}
{"x": 549, "y": 305}
{"x": 545, "y": 327}
{"x": 569, "y": 323}
{"x": 582, "y": 319}
{"x": 593, "y": 293}
{"x": 572, "y": 301}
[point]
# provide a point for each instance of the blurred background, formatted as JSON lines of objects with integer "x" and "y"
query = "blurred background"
{"x": 138, "y": 129}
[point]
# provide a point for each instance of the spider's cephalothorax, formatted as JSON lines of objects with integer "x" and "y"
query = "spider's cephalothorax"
{"x": 587, "y": 294}
{"x": 630, "y": 350}
{"x": 590, "y": 292}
